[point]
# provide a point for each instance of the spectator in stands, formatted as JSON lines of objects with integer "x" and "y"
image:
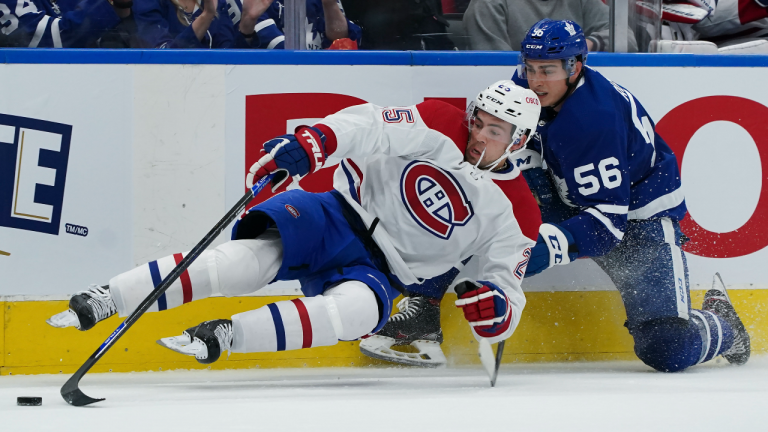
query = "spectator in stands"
{"x": 59, "y": 24}
{"x": 190, "y": 23}
{"x": 326, "y": 23}
{"x": 401, "y": 24}
{"x": 500, "y": 25}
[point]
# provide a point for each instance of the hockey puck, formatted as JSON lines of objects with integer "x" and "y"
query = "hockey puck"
{"x": 29, "y": 401}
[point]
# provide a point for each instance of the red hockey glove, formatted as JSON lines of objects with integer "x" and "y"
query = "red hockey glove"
{"x": 289, "y": 156}
{"x": 485, "y": 306}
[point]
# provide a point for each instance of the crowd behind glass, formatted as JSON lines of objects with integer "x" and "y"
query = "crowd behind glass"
{"x": 698, "y": 26}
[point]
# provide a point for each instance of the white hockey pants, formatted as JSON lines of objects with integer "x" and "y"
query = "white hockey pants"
{"x": 347, "y": 311}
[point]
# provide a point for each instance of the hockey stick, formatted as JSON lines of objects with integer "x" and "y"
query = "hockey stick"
{"x": 70, "y": 391}
{"x": 490, "y": 364}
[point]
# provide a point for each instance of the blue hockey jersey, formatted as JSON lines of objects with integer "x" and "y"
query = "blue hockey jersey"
{"x": 161, "y": 26}
{"x": 269, "y": 27}
{"x": 606, "y": 161}
{"x": 55, "y": 24}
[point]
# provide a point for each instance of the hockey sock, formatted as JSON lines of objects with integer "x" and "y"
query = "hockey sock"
{"x": 347, "y": 311}
{"x": 233, "y": 268}
{"x": 716, "y": 334}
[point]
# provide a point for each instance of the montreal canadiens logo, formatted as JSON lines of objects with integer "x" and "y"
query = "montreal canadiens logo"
{"x": 434, "y": 198}
{"x": 292, "y": 210}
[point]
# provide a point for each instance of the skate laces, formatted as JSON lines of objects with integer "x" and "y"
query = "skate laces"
{"x": 225, "y": 335}
{"x": 100, "y": 300}
{"x": 739, "y": 346}
{"x": 408, "y": 308}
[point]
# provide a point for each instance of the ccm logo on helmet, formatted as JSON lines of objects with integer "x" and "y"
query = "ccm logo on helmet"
{"x": 434, "y": 198}
{"x": 494, "y": 100}
{"x": 535, "y": 46}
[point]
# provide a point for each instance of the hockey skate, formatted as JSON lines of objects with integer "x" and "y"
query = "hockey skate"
{"x": 719, "y": 303}
{"x": 416, "y": 324}
{"x": 86, "y": 308}
{"x": 205, "y": 341}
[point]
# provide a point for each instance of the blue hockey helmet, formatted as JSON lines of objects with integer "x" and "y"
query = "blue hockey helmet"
{"x": 554, "y": 40}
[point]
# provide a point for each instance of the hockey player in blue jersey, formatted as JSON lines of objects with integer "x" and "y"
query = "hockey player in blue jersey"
{"x": 59, "y": 24}
{"x": 610, "y": 189}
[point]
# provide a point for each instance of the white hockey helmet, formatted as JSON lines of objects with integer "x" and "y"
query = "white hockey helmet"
{"x": 516, "y": 105}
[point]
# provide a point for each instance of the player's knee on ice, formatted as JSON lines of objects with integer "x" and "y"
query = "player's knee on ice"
{"x": 667, "y": 344}
{"x": 347, "y": 311}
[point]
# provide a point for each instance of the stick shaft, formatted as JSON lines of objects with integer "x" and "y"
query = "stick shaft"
{"x": 71, "y": 386}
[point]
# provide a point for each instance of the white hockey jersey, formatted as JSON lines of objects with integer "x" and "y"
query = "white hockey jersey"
{"x": 405, "y": 166}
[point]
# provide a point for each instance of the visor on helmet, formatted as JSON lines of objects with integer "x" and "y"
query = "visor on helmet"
{"x": 492, "y": 133}
{"x": 542, "y": 70}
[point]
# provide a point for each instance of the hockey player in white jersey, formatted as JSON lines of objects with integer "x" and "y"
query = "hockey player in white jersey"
{"x": 420, "y": 189}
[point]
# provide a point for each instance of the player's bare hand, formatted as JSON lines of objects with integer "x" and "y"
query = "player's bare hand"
{"x": 210, "y": 6}
{"x": 254, "y": 8}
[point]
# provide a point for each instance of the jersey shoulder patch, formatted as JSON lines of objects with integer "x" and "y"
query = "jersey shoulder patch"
{"x": 447, "y": 119}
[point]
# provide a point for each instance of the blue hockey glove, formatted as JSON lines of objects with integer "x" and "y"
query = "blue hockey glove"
{"x": 554, "y": 246}
{"x": 485, "y": 306}
{"x": 289, "y": 156}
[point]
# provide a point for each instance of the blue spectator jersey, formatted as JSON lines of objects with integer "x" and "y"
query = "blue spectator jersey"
{"x": 607, "y": 161}
{"x": 269, "y": 27}
{"x": 160, "y": 26}
{"x": 55, "y": 24}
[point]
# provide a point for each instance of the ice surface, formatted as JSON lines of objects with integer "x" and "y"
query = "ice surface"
{"x": 606, "y": 396}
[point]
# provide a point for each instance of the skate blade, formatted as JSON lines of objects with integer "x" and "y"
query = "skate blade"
{"x": 182, "y": 345}
{"x": 430, "y": 354}
{"x": 718, "y": 284}
{"x": 64, "y": 319}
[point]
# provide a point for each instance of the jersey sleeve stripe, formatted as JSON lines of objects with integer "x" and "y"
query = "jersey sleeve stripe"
{"x": 607, "y": 222}
{"x": 359, "y": 177}
{"x": 353, "y": 190}
{"x": 330, "y": 138}
{"x": 274, "y": 42}
{"x": 613, "y": 209}
{"x": 56, "y": 33}
{"x": 264, "y": 24}
{"x": 41, "y": 26}
{"x": 664, "y": 202}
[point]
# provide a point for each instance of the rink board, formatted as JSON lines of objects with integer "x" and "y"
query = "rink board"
{"x": 556, "y": 327}
{"x": 129, "y": 156}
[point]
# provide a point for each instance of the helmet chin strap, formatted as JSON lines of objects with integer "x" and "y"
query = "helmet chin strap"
{"x": 507, "y": 154}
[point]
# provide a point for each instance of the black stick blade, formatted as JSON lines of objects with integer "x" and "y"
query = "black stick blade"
{"x": 499, "y": 353}
{"x": 77, "y": 398}
{"x": 71, "y": 392}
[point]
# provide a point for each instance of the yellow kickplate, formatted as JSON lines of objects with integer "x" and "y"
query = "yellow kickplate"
{"x": 556, "y": 326}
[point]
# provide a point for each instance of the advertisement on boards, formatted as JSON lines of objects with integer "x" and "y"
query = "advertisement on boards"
{"x": 716, "y": 129}
{"x": 65, "y": 178}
